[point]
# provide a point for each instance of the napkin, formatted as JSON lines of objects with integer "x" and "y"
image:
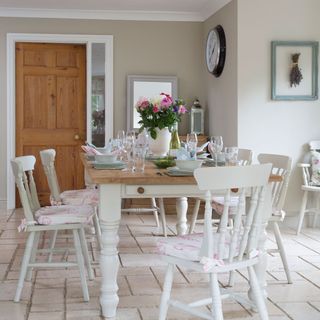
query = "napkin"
{"x": 90, "y": 150}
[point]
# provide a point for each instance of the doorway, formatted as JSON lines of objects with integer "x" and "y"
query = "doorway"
{"x": 51, "y": 109}
{"x": 27, "y": 131}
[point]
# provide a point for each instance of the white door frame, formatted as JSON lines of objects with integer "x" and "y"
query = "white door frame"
{"x": 88, "y": 40}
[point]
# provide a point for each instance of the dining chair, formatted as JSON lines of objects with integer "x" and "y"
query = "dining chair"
{"x": 309, "y": 188}
{"x": 53, "y": 218}
{"x": 88, "y": 196}
{"x": 220, "y": 250}
{"x": 244, "y": 158}
{"x": 281, "y": 165}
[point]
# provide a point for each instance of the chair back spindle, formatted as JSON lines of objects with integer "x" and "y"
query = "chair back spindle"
{"x": 47, "y": 159}
{"x": 281, "y": 165}
{"x": 22, "y": 168}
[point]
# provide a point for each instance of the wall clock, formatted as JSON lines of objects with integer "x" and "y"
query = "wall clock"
{"x": 216, "y": 50}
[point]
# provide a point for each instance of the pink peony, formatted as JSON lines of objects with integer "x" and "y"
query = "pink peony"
{"x": 166, "y": 102}
{"x": 142, "y": 103}
{"x": 155, "y": 108}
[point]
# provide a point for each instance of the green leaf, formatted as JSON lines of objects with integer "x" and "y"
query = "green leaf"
{"x": 153, "y": 133}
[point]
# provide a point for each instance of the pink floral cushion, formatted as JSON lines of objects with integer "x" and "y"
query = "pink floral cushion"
{"x": 80, "y": 197}
{"x": 218, "y": 205}
{"x": 64, "y": 214}
{"x": 187, "y": 247}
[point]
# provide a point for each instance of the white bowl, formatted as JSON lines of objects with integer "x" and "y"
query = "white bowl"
{"x": 188, "y": 165}
{"x": 105, "y": 158}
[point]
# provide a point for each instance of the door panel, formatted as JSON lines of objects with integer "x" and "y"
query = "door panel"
{"x": 51, "y": 108}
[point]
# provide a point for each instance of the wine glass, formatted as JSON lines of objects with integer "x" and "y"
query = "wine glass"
{"x": 215, "y": 147}
{"x": 192, "y": 142}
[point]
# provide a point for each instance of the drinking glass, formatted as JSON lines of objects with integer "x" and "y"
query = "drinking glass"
{"x": 231, "y": 154}
{"x": 215, "y": 147}
{"x": 192, "y": 142}
{"x": 139, "y": 158}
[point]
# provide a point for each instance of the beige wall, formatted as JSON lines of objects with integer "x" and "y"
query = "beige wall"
{"x": 274, "y": 126}
{"x": 221, "y": 93}
{"x": 146, "y": 48}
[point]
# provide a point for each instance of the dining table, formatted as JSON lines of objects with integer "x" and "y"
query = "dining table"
{"x": 115, "y": 185}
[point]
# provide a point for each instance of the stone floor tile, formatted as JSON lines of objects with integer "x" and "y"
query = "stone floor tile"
{"x": 43, "y": 296}
{"x": 133, "y": 260}
{"x": 144, "y": 285}
{"x": 12, "y": 310}
{"x": 300, "y": 310}
{"x": 93, "y": 314}
{"x": 8, "y": 289}
{"x": 3, "y": 270}
{"x": 47, "y": 307}
{"x": 46, "y": 315}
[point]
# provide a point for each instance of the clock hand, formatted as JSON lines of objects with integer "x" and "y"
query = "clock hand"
{"x": 212, "y": 51}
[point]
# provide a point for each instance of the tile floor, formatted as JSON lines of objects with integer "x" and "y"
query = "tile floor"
{"x": 56, "y": 295}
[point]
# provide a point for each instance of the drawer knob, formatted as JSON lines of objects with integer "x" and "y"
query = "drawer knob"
{"x": 140, "y": 190}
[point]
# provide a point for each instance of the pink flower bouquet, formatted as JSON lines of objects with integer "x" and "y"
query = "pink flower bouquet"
{"x": 159, "y": 113}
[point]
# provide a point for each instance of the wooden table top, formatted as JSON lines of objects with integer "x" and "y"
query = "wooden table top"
{"x": 150, "y": 176}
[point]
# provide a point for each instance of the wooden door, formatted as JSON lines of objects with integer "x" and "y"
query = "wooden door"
{"x": 51, "y": 109}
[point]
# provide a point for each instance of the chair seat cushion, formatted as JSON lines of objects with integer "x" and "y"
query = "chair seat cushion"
{"x": 187, "y": 247}
{"x": 64, "y": 214}
{"x": 315, "y": 168}
{"x": 217, "y": 204}
{"x": 80, "y": 197}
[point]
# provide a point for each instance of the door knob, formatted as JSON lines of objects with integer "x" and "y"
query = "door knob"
{"x": 76, "y": 137}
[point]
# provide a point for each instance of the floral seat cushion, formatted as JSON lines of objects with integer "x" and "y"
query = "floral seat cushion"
{"x": 64, "y": 214}
{"x": 217, "y": 204}
{"x": 187, "y": 247}
{"x": 80, "y": 197}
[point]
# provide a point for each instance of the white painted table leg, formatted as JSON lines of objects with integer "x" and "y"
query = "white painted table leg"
{"x": 182, "y": 208}
{"x": 110, "y": 215}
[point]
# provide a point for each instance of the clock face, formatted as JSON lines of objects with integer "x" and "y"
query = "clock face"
{"x": 216, "y": 51}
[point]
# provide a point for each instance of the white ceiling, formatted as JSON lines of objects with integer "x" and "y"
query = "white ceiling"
{"x": 180, "y": 10}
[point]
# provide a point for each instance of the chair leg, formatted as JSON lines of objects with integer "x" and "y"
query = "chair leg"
{"x": 163, "y": 217}
{"x": 257, "y": 294}
{"x": 166, "y": 292}
{"x": 33, "y": 255}
{"x": 194, "y": 215}
{"x": 52, "y": 244}
{"x": 97, "y": 230}
{"x": 282, "y": 252}
{"x": 216, "y": 307}
{"x": 155, "y": 212}
{"x": 81, "y": 266}
{"x": 24, "y": 265}
{"x": 302, "y": 211}
{"x": 85, "y": 253}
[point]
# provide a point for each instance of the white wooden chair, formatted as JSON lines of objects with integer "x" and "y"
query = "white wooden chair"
{"x": 52, "y": 218}
{"x": 70, "y": 197}
{"x": 89, "y": 195}
{"x": 281, "y": 165}
{"x": 221, "y": 250}
{"x": 308, "y": 188}
{"x": 245, "y": 158}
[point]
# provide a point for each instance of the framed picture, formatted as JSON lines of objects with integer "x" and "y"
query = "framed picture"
{"x": 294, "y": 70}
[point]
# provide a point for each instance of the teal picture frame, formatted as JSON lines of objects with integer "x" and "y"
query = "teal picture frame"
{"x": 313, "y": 81}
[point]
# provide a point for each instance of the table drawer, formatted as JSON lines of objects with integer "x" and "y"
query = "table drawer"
{"x": 167, "y": 191}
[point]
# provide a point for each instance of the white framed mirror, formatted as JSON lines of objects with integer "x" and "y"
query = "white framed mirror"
{"x": 146, "y": 86}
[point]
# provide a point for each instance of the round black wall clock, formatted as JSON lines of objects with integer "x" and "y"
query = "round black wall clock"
{"x": 216, "y": 50}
